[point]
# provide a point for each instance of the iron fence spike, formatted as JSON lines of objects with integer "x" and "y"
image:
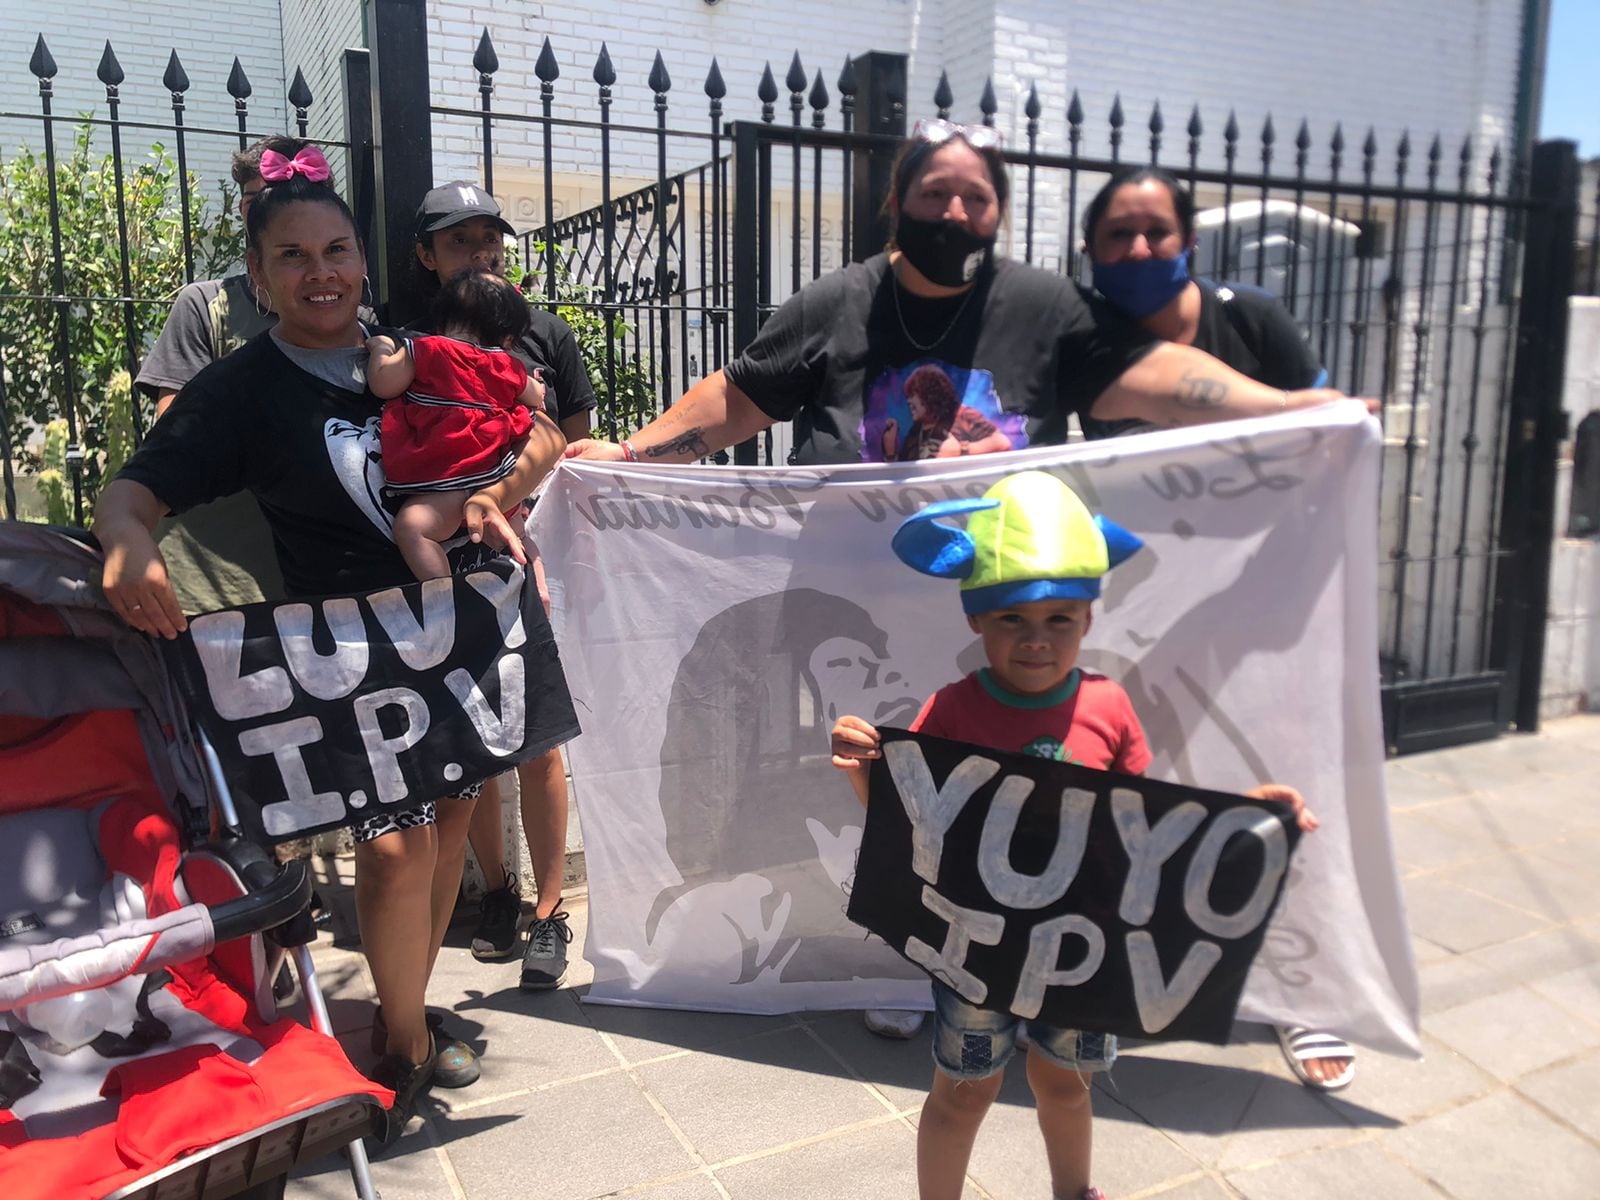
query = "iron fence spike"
{"x": 715, "y": 88}
{"x": 1075, "y": 109}
{"x": 1116, "y": 111}
{"x": 547, "y": 70}
{"x": 1370, "y": 146}
{"x": 1336, "y": 143}
{"x": 767, "y": 89}
{"x": 847, "y": 77}
{"x": 1033, "y": 109}
{"x": 1269, "y": 135}
{"x": 175, "y": 78}
{"x": 110, "y": 73}
{"x": 1195, "y": 127}
{"x": 795, "y": 80}
{"x": 943, "y": 97}
{"x": 604, "y": 73}
{"x": 1230, "y": 131}
{"x": 484, "y": 60}
{"x": 41, "y": 64}
{"x": 660, "y": 81}
{"x": 1302, "y": 140}
{"x": 1158, "y": 123}
{"x": 238, "y": 81}
{"x": 819, "y": 94}
{"x": 299, "y": 93}
{"x": 987, "y": 104}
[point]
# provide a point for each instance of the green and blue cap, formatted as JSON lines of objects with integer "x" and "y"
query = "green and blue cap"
{"x": 1027, "y": 538}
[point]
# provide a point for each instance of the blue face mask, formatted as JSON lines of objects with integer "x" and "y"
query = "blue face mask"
{"x": 1140, "y": 287}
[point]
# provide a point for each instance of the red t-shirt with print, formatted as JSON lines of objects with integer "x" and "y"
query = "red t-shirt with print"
{"x": 1088, "y": 720}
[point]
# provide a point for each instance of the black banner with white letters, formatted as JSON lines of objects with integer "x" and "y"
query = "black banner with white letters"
{"x": 328, "y": 711}
{"x": 1084, "y": 899}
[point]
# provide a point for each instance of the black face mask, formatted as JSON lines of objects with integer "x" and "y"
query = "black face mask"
{"x": 944, "y": 252}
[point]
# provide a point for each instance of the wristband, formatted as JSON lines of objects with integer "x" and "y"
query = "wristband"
{"x": 627, "y": 453}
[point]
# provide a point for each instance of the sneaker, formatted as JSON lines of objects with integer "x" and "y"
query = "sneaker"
{"x": 544, "y": 963}
{"x": 407, "y": 1080}
{"x": 456, "y": 1064}
{"x": 895, "y": 1023}
{"x": 495, "y": 939}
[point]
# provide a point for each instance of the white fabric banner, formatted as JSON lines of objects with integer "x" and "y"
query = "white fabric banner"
{"x": 715, "y": 621}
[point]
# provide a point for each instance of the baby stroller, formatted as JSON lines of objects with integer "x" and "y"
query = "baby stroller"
{"x": 142, "y": 1055}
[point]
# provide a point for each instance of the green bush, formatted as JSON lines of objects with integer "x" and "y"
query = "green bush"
{"x": 87, "y": 201}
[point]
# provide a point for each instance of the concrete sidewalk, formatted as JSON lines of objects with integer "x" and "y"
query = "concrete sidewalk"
{"x": 1499, "y": 845}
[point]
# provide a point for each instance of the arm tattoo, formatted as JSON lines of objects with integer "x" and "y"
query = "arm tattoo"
{"x": 1200, "y": 393}
{"x": 690, "y": 441}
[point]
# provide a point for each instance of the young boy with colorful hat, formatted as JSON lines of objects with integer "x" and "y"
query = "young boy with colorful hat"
{"x": 1030, "y": 561}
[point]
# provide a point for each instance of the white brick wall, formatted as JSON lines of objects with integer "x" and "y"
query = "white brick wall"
{"x": 315, "y": 35}
{"x": 143, "y": 33}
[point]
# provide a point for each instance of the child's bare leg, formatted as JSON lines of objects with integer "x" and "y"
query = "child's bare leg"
{"x": 422, "y": 523}
{"x": 949, "y": 1126}
{"x": 1066, "y": 1118}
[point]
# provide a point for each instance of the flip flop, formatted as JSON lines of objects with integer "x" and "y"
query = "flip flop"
{"x": 1299, "y": 1045}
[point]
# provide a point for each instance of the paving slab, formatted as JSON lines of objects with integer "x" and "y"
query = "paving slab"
{"x": 1359, "y": 1169}
{"x": 1400, "y": 1090}
{"x": 880, "y": 1160}
{"x": 585, "y": 1139}
{"x": 1463, "y": 920}
{"x": 1570, "y": 1092}
{"x": 757, "y": 1094}
{"x": 1497, "y": 1147}
{"x": 1513, "y": 1032}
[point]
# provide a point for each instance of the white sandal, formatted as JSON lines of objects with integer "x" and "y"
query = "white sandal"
{"x": 1300, "y": 1045}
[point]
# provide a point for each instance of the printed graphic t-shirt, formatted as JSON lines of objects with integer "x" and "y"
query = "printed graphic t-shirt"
{"x": 306, "y": 449}
{"x": 1023, "y": 349}
{"x": 1088, "y": 721}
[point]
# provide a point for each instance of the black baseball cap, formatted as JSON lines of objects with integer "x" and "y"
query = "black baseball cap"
{"x": 456, "y": 202}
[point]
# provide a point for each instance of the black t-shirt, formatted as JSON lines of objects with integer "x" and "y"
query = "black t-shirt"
{"x": 307, "y": 450}
{"x": 1019, "y": 352}
{"x": 1249, "y": 330}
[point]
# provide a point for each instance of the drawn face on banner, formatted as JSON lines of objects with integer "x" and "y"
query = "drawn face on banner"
{"x": 769, "y": 676}
{"x": 930, "y": 409}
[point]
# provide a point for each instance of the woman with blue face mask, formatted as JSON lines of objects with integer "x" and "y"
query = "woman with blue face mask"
{"x": 1139, "y": 234}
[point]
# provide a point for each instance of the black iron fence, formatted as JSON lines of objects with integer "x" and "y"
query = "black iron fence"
{"x": 128, "y": 220}
{"x": 1431, "y": 273}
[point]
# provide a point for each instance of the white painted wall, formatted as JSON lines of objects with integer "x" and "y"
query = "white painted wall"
{"x": 1572, "y": 635}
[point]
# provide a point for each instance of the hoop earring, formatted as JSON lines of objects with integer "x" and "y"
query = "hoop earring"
{"x": 368, "y": 300}
{"x": 256, "y": 293}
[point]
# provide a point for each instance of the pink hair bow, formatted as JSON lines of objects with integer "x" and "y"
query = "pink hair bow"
{"x": 275, "y": 168}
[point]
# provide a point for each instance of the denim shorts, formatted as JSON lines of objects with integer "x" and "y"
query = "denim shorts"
{"x": 973, "y": 1043}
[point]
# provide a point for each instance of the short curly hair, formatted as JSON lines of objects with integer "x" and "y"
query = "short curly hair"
{"x": 933, "y": 386}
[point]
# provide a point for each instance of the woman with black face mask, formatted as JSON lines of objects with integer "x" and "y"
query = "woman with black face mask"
{"x": 1139, "y": 234}
{"x": 1022, "y": 347}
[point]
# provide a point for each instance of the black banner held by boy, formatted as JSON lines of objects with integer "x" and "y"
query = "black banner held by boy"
{"x": 1084, "y": 899}
{"x": 328, "y": 711}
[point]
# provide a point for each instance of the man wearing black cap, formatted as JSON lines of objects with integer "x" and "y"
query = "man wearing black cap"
{"x": 460, "y": 227}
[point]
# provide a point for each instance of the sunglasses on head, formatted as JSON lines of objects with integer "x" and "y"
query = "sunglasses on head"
{"x": 979, "y": 137}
